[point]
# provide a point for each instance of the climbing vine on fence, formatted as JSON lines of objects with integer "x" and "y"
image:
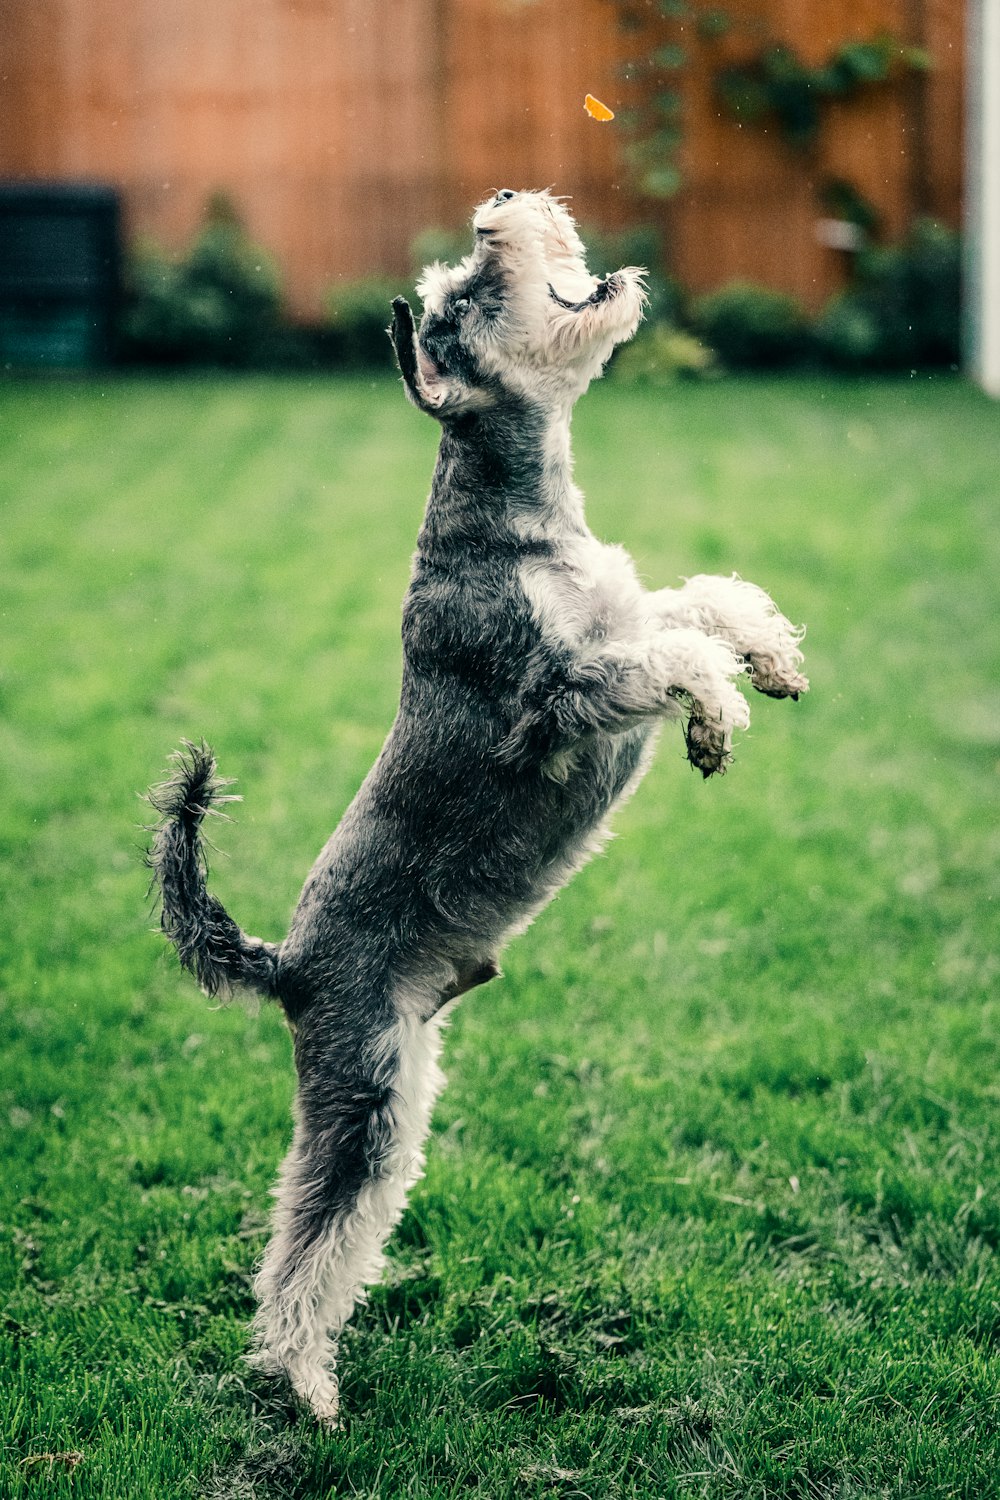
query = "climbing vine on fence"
{"x": 771, "y": 84}
{"x": 777, "y": 84}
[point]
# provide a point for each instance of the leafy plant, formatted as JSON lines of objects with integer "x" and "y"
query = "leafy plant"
{"x": 778, "y": 84}
{"x": 672, "y": 36}
{"x": 752, "y": 327}
{"x": 662, "y": 354}
{"x": 842, "y": 200}
{"x": 904, "y": 307}
{"x": 358, "y": 314}
{"x": 438, "y": 243}
{"x": 641, "y": 245}
{"x": 219, "y": 303}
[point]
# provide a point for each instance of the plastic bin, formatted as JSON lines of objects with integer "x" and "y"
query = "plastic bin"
{"x": 60, "y": 274}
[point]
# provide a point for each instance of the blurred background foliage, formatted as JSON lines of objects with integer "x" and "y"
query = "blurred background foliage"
{"x": 765, "y": 83}
{"x": 221, "y": 301}
{"x": 220, "y": 305}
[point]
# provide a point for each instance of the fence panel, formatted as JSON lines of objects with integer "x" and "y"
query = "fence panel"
{"x": 342, "y": 127}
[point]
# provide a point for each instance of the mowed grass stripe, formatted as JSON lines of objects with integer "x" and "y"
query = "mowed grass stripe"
{"x": 711, "y": 1203}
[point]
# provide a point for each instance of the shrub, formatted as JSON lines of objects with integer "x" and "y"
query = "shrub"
{"x": 358, "y": 313}
{"x": 220, "y": 303}
{"x": 848, "y": 332}
{"x": 903, "y": 309}
{"x": 752, "y": 327}
{"x": 660, "y": 354}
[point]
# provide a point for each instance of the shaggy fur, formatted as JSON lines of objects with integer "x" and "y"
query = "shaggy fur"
{"x": 536, "y": 670}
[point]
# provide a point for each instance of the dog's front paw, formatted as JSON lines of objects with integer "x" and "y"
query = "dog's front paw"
{"x": 778, "y": 677}
{"x": 708, "y": 747}
{"x": 709, "y": 730}
{"x": 774, "y": 659}
{"x": 751, "y": 622}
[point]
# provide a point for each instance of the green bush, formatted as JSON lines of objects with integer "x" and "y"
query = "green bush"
{"x": 903, "y": 309}
{"x": 751, "y": 327}
{"x": 358, "y": 314}
{"x": 660, "y": 354}
{"x": 849, "y": 333}
{"x": 218, "y": 304}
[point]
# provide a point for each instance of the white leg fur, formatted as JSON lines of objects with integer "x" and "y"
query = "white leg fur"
{"x": 301, "y": 1314}
{"x": 701, "y": 668}
{"x": 748, "y": 619}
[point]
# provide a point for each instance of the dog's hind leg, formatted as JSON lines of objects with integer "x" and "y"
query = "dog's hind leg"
{"x": 358, "y": 1148}
{"x": 293, "y": 1284}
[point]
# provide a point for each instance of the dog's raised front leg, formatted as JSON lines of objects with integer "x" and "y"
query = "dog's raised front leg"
{"x": 670, "y": 673}
{"x": 748, "y": 619}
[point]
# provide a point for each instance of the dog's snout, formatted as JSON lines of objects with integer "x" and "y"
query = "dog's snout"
{"x": 505, "y": 194}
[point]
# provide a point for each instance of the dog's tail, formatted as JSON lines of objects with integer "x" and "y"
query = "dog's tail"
{"x": 208, "y": 941}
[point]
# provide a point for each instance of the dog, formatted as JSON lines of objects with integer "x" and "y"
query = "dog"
{"x": 536, "y": 672}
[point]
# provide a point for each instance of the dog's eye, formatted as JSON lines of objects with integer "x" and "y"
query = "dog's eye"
{"x": 461, "y": 306}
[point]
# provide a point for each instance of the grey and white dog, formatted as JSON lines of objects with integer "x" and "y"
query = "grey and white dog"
{"x": 536, "y": 670}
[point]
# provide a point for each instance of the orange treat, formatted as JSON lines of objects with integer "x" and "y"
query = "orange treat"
{"x": 596, "y": 109}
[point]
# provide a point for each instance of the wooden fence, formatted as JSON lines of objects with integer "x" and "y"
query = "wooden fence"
{"x": 343, "y": 127}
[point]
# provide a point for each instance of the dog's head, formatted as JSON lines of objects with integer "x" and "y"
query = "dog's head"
{"x": 520, "y": 317}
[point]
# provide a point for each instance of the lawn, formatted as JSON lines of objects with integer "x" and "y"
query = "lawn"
{"x": 711, "y": 1206}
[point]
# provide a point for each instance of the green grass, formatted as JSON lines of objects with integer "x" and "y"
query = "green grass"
{"x": 711, "y": 1206}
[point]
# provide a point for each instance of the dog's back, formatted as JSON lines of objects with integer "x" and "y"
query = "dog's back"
{"x": 476, "y": 811}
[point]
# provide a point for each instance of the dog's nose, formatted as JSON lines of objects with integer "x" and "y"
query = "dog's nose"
{"x": 504, "y": 194}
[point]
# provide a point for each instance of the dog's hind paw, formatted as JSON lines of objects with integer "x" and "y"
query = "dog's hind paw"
{"x": 327, "y": 1414}
{"x": 321, "y": 1393}
{"x": 315, "y": 1386}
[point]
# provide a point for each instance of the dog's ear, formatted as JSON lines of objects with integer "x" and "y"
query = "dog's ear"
{"x": 440, "y": 396}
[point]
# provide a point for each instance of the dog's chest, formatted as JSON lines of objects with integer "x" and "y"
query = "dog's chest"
{"x": 585, "y": 596}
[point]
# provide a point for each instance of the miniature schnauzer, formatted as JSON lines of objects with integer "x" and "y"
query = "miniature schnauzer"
{"x": 536, "y": 670}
